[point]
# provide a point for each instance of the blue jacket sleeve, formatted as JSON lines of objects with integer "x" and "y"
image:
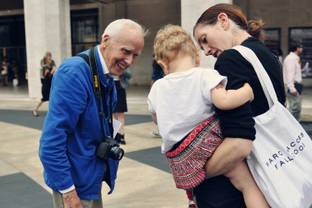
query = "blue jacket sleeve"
{"x": 68, "y": 100}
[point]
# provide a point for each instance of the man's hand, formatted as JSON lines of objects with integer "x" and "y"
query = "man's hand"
{"x": 71, "y": 200}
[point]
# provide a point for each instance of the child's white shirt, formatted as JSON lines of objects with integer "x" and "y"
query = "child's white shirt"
{"x": 181, "y": 101}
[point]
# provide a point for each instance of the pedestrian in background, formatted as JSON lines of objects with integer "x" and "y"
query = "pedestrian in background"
{"x": 157, "y": 74}
{"x": 121, "y": 83}
{"x": 293, "y": 79}
{"x": 48, "y": 68}
{"x": 4, "y": 71}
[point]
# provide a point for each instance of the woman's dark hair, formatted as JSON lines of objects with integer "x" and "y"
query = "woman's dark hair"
{"x": 255, "y": 27}
{"x": 210, "y": 16}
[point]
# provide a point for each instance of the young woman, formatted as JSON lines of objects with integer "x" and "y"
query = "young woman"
{"x": 183, "y": 103}
{"x": 217, "y": 30}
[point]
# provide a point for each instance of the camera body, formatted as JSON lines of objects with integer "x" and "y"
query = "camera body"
{"x": 109, "y": 148}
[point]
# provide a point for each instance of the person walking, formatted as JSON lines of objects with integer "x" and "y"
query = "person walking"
{"x": 293, "y": 79}
{"x": 48, "y": 68}
{"x": 75, "y": 145}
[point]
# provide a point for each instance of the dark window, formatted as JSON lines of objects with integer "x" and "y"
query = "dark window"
{"x": 84, "y": 29}
{"x": 273, "y": 40}
{"x": 12, "y": 45}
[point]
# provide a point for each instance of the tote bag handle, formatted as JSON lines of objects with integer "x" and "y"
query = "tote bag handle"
{"x": 263, "y": 76}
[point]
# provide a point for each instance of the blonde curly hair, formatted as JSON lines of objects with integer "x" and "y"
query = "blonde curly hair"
{"x": 172, "y": 40}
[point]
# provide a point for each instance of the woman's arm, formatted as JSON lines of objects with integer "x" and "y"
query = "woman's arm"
{"x": 231, "y": 99}
{"x": 53, "y": 70}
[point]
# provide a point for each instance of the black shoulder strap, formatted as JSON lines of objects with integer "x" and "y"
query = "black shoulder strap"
{"x": 90, "y": 59}
{"x": 84, "y": 56}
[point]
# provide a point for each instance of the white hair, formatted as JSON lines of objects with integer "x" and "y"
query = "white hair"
{"x": 118, "y": 25}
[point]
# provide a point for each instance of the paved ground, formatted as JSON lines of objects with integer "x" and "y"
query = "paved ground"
{"x": 143, "y": 178}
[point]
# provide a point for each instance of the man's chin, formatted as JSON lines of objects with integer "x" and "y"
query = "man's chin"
{"x": 116, "y": 72}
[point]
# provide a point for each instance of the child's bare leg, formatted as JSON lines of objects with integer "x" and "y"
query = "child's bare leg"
{"x": 190, "y": 196}
{"x": 242, "y": 179}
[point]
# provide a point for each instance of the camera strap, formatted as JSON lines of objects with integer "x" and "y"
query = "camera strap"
{"x": 104, "y": 113}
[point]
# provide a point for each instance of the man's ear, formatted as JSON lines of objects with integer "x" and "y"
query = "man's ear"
{"x": 164, "y": 65}
{"x": 104, "y": 41}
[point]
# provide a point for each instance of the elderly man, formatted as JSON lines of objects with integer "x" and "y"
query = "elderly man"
{"x": 293, "y": 79}
{"x": 73, "y": 128}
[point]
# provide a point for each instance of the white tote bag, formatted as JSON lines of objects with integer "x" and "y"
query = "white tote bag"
{"x": 281, "y": 156}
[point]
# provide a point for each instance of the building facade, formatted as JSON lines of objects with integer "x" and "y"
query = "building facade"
{"x": 29, "y": 28}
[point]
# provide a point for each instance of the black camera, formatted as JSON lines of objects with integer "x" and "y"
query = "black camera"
{"x": 109, "y": 148}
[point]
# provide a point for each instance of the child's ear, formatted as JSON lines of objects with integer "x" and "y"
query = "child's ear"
{"x": 164, "y": 65}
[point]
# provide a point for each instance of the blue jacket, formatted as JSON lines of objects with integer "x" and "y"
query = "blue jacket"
{"x": 72, "y": 132}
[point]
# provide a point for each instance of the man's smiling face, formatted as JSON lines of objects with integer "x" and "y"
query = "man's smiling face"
{"x": 120, "y": 51}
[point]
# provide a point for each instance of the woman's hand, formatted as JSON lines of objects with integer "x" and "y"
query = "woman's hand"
{"x": 46, "y": 72}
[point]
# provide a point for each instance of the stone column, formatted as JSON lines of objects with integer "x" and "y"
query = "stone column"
{"x": 190, "y": 12}
{"x": 47, "y": 28}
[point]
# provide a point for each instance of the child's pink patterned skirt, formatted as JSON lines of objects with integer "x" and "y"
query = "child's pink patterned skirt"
{"x": 187, "y": 161}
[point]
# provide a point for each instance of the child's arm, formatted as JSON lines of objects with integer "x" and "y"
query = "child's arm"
{"x": 231, "y": 99}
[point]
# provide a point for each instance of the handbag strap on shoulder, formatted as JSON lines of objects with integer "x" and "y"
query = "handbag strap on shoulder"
{"x": 262, "y": 75}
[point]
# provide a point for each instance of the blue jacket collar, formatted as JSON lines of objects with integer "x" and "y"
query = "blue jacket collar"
{"x": 105, "y": 79}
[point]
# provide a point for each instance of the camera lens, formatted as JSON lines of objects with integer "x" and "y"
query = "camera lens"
{"x": 117, "y": 153}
